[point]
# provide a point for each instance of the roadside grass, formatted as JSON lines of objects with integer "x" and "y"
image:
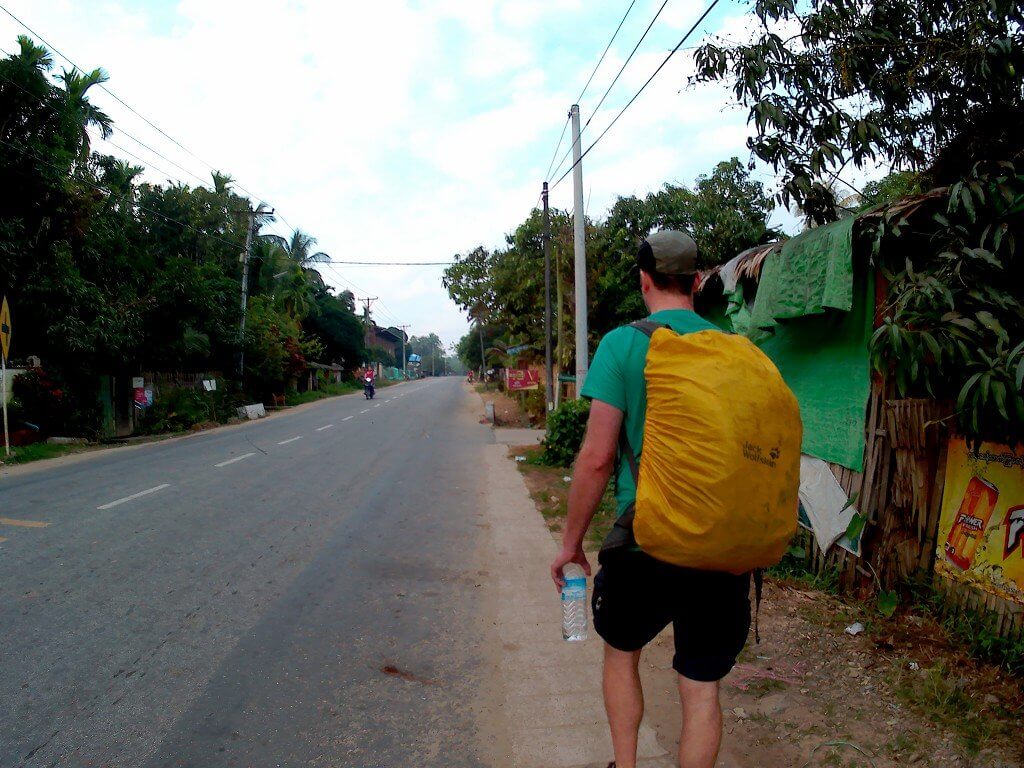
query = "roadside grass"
{"x": 950, "y": 701}
{"x": 39, "y": 451}
{"x": 331, "y": 390}
{"x": 549, "y": 490}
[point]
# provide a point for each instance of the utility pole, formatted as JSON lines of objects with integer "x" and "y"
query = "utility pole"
{"x": 549, "y": 386}
{"x": 579, "y": 241}
{"x": 483, "y": 361}
{"x": 366, "y": 318}
{"x": 404, "y": 356}
{"x": 249, "y": 232}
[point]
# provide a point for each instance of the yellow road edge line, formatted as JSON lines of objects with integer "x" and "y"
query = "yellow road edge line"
{"x": 23, "y": 523}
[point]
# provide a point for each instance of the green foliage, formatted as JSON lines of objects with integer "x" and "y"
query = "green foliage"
{"x": 887, "y": 601}
{"x": 795, "y": 567}
{"x": 725, "y": 210}
{"x": 566, "y": 428}
{"x": 109, "y": 276}
{"x": 327, "y": 390}
{"x": 38, "y": 452}
{"x": 913, "y": 84}
{"x": 177, "y": 410}
{"x": 953, "y": 327}
{"x": 382, "y": 355}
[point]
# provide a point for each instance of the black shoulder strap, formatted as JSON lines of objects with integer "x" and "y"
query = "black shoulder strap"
{"x": 626, "y": 450}
{"x": 648, "y": 327}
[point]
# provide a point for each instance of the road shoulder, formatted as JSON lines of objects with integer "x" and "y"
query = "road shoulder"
{"x": 547, "y": 691}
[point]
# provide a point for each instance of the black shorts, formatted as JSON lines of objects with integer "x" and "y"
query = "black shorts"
{"x": 636, "y": 596}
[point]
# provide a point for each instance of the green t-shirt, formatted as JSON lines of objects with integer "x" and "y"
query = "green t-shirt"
{"x": 616, "y": 377}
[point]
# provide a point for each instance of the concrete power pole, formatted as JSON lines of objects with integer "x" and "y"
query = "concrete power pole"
{"x": 404, "y": 356}
{"x": 367, "y": 303}
{"x": 549, "y": 385}
{"x": 579, "y": 241}
{"x": 250, "y": 231}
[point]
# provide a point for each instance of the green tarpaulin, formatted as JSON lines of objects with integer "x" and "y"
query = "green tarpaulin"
{"x": 812, "y": 273}
{"x": 824, "y": 359}
{"x": 813, "y": 317}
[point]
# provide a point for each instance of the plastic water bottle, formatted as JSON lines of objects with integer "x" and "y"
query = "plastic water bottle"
{"x": 574, "y": 603}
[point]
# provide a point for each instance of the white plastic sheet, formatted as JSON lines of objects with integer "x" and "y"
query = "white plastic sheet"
{"x": 823, "y": 499}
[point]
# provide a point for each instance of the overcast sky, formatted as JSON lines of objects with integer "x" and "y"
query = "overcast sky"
{"x": 399, "y": 131}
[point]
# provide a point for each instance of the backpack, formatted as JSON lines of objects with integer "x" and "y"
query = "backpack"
{"x": 720, "y": 470}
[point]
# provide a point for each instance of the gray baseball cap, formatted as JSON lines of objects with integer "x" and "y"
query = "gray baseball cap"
{"x": 669, "y": 252}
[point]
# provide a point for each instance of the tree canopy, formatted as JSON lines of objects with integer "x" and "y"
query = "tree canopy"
{"x": 503, "y": 290}
{"x": 107, "y": 275}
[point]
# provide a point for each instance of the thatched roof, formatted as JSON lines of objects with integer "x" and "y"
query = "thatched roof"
{"x": 748, "y": 264}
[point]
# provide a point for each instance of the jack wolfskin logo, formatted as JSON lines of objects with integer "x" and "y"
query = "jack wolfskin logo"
{"x": 755, "y": 453}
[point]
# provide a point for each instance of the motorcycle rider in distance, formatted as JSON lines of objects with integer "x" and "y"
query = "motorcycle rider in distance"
{"x": 368, "y": 378}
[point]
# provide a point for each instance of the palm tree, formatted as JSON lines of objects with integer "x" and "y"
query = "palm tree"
{"x": 32, "y": 56}
{"x": 221, "y": 182}
{"x": 295, "y": 292}
{"x": 298, "y": 248}
{"x": 76, "y": 88}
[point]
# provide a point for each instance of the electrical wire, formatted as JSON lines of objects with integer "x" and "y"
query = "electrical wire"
{"x": 391, "y": 263}
{"x": 642, "y": 88}
{"x": 547, "y": 176}
{"x": 606, "y": 49}
{"x": 148, "y": 163}
{"x": 106, "y": 191}
{"x": 126, "y": 105}
{"x": 609, "y": 88}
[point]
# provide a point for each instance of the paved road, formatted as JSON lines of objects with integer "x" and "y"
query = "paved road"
{"x": 297, "y": 591}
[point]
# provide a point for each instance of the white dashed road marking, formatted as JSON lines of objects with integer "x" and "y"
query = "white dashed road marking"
{"x": 146, "y": 492}
{"x": 237, "y": 458}
{"x": 348, "y": 417}
{"x": 325, "y": 426}
{"x": 290, "y": 440}
{"x": 377, "y": 405}
{"x": 366, "y": 411}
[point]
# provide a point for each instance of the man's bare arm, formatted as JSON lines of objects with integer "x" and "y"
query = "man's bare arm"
{"x": 593, "y": 468}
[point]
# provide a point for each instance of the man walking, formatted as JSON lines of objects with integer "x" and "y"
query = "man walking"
{"x": 636, "y": 596}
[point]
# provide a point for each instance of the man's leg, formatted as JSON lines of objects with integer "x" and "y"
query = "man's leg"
{"x": 702, "y": 724}
{"x": 624, "y": 702}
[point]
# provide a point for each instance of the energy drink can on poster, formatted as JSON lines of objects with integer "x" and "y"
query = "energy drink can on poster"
{"x": 972, "y": 517}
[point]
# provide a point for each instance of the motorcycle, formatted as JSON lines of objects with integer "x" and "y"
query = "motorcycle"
{"x": 368, "y": 391}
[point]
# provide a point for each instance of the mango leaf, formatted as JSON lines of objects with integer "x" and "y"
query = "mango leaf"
{"x": 999, "y": 395}
{"x": 962, "y": 398}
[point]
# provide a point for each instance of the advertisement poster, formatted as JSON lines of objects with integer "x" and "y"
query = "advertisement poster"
{"x": 981, "y": 529}
{"x": 521, "y": 379}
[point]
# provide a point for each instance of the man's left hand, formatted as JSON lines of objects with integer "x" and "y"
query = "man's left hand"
{"x": 563, "y": 559}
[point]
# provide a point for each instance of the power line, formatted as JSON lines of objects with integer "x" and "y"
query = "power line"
{"x": 392, "y": 263}
{"x": 609, "y": 88}
{"x": 125, "y": 104}
{"x": 123, "y": 132}
{"x": 642, "y": 88}
{"x": 558, "y": 146}
{"x": 106, "y": 191}
{"x": 606, "y": 49}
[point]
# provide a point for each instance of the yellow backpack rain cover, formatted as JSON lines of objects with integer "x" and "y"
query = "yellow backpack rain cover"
{"x": 720, "y": 467}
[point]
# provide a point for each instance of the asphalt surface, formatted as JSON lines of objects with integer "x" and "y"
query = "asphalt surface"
{"x": 310, "y": 603}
